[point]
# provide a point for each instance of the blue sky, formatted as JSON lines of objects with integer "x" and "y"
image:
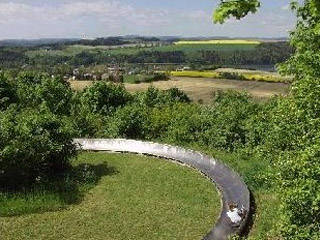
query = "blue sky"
{"x": 98, "y": 18}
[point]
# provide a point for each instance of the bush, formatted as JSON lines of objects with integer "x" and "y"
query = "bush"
{"x": 7, "y": 92}
{"x": 299, "y": 182}
{"x": 223, "y": 123}
{"x": 259, "y": 125}
{"x": 128, "y": 122}
{"x": 175, "y": 95}
{"x": 155, "y": 77}
{"x": 306, "y": 95}
{"x": 84, "y": 122}
{"x": 159, "y": 122}
{"x": 34, "y": 144}
{"x": 185, "y": 124}
{"x": 34, "y": 89}
{"x": 154, "y": 97}
{"x": 104, "y": 98}
{"x": 232, "y": 76}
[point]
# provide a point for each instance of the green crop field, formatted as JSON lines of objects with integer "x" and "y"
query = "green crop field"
{"x": 187, "y": 48}
{"x": 206, "y": 47}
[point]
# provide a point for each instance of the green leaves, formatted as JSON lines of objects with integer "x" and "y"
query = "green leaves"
{"x": 235, "y": 8}
{"x": 289, "y": 131}
{"x": 7, "y": 92}
{"x": 33, "y": 143}
{"x": 105, "y": 97}
{"x": 34, "y": 89}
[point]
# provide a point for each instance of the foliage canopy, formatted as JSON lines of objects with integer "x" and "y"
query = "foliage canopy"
{"x": 293, "y": 122}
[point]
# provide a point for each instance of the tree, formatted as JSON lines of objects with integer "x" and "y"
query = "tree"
{"x": 235, "y": 8}
{"x": 305, "y": 38}
{"x": 293, "y": 138}
{"x": 34, "y": 144}
{"x": 104, "y": 97}
{"x": 34, "y": 89}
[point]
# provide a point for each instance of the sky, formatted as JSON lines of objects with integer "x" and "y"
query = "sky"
{"x": 101, "y": 18}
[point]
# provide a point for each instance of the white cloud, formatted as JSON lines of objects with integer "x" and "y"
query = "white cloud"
{"x": 111, "y": 12}
{"x": 113, "y": 17}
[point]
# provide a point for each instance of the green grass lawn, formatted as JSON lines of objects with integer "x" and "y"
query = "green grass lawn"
{"x": 117, "y": 197}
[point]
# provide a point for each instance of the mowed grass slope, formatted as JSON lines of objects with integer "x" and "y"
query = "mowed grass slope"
{"x": 144, "y": 198}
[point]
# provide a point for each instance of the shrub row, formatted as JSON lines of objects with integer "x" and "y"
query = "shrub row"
{"x": 40, "y": 115}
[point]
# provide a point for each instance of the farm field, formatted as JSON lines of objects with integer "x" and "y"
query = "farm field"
{"x": 236, "y": 74}
{"x": 194, "y": 47}
{"x": 138, "y": 198}
{"x": 186, "y": 47}
{"x": 201, "y": 89}
{"x": 219, "y": 42}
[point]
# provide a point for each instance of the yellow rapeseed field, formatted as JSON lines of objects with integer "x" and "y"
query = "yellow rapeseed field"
{"x": 195, "y": 74}
{"x": 249, "y": 76}
{"x": 222, "y": 41}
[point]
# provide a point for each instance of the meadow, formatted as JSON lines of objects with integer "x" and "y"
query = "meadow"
{"x": 134, "y": 197}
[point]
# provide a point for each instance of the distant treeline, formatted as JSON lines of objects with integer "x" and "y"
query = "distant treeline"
{"x": 35, "y": 42}
{"x": 60, "y": 42}
{"x": 264, "y": 54}
{"x": 111, "y": 41}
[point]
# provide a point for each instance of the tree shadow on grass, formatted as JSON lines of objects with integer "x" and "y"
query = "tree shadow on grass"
{"x": 56, "y": 193}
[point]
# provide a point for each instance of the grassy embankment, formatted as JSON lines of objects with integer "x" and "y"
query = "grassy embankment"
{"x": 133, "y": 197}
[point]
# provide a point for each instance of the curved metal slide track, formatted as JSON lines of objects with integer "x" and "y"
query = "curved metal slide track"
{"x": 235, "y": 194}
